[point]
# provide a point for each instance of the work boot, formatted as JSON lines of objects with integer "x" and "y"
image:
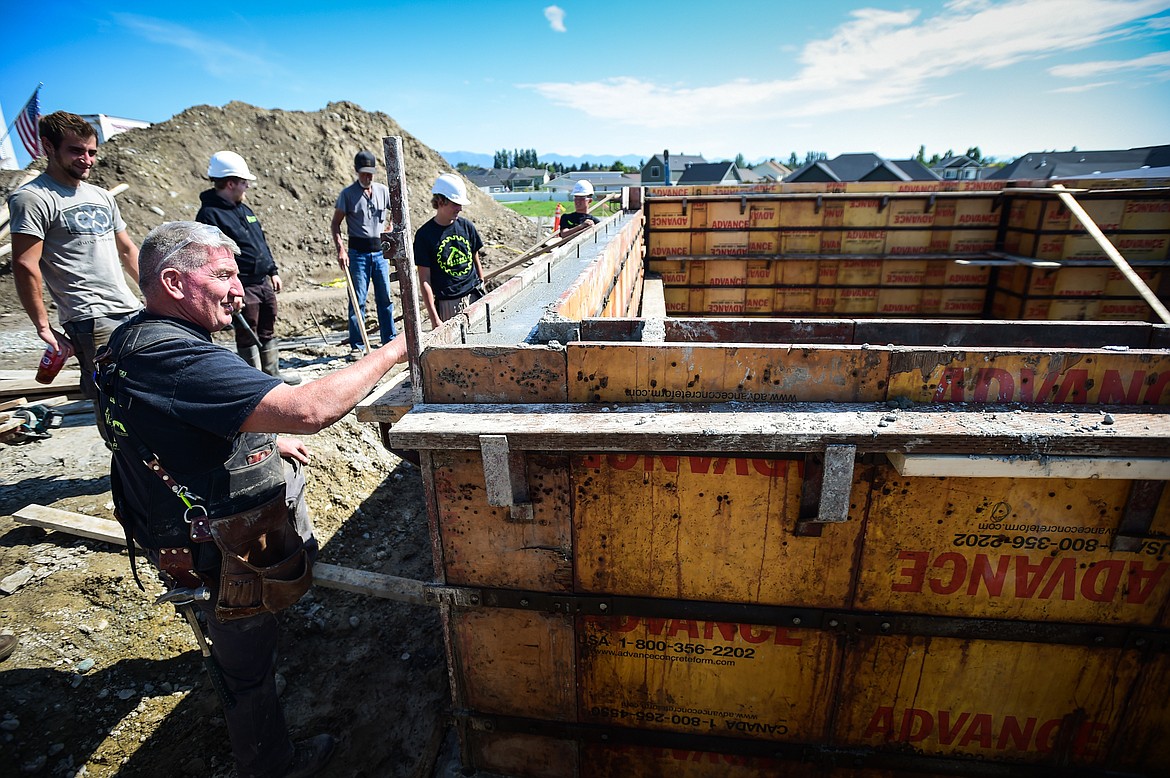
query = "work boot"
{"x": 250, "y": 354}
{"x": 310, "y": 756}
{"x": 7, "y": 646}
{"x": 270, "y": 363}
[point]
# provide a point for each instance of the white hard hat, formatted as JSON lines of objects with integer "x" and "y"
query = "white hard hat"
{"x": 583, "y": 189}
{"x": 228, "y": 164}
{"x": 451, "y": 186}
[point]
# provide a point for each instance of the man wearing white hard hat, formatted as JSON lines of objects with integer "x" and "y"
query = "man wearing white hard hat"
{"x": 223, "y": 206}
{"x": 580, "y": 219}
{"x": 447, "y": 251}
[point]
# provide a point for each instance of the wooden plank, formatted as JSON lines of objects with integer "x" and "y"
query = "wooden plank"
{"x": 710, "y": 372}
{"x": 13, "y": 403}
{"x": 390, "y": 402}
{"x": 329, "y": 576}
{"x": 702, "y": 527}
{"x": 520, "y": 373}
{"x": 974, "y": 466}
{"x": 653, "y": 301}
{"x": 794, "y": 427}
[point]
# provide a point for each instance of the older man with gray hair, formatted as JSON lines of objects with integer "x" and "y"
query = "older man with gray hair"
{"x": 202, "y": 482}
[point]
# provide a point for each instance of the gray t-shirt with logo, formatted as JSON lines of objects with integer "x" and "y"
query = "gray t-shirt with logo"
{"x": 79, "y": 258}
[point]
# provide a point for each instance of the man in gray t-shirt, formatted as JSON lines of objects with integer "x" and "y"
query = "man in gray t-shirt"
{"x": 68, "y": 235}
{"x": 362, "y": 207}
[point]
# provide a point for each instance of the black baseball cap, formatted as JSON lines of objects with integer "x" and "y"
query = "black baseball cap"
{"x": 365, "y": 162}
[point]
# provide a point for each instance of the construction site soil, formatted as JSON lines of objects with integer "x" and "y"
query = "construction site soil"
{"x": 105, "y": 683}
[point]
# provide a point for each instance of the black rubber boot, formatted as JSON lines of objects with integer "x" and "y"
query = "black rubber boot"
{"x": 250, "y": 354}
{"x": 270, "y": 363}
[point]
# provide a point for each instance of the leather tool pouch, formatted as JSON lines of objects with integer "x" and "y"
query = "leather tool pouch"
{"x": 265, "y": 564}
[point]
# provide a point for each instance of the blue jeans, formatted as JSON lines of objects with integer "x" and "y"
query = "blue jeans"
{"x": 364, "y": 268}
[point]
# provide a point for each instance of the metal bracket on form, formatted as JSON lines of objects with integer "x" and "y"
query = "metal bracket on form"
{"x": 505, "y": 476}
{"x": 828, "y": 481}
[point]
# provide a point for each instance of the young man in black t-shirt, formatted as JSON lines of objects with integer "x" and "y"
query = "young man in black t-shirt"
{"x": 447, "y": 252}
{"x": 580, "y": 219}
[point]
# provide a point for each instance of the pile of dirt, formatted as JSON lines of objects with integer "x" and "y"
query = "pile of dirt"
{"x": 302, "y": 160}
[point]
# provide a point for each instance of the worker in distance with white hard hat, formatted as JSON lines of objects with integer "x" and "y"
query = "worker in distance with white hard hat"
{"x": 223, "y": 206}
{"x": 447, "y": 250}
{"x": 580, "y": 219}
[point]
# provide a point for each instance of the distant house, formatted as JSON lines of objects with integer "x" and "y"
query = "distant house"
{"x": 654, "y": 171}
{"x": 961, "y": 168}
{"x": 750, "y": 176}
{"x": 107, "y": 127}
{"x": 527, "y": 179}
{"x": 771, "y": 171}
{"x": 604, "y": 181}
{"x": 710, "y": 173}
{"x": 861, "y": 167}
{"x": 1074, "y": 164}
{"x": 488, "y": 179}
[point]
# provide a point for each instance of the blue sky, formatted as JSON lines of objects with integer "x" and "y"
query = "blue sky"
{"x": 759, "y": 78}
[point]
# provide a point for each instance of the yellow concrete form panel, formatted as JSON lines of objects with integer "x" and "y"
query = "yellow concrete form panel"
{"x": 727, "y": 243}
{"x": 899, "y": 302}
{"x": 857, "y": 300}
{"x": 989, "y": 700}
{"x": 944, "y": 214}
{"x": 864, "y": 212}
{"x": 502, "y": 374}
{"x": 966, "y": 303}
{"x": 1003, "y": 548}
{"x": 972, "y": 241}
{"x": 668, "y": 215}
{"x": 1117, "y": 285}
{"x": 797, "y": 299}
{"x": 677, "y": 299}
{"x": 797, "y": 272}
{"x": 515, "y": 663}
{"x": 976, "y": 212}
{"x": 707, "y": 678}
{"x": 627, "y": 761}
{"x": 911, "y": 213}
{"x": 859, "y": 272}
{"x": 675, "y": 244}
{"x": 728, "y": 215}
{"x": 706, "y": 527}
{"x": 1144, "y": 738}
{"x": 759, "y": 300}
{"x": 720, "y": 300}
{"x": 484, "y": 546}
{"x": 1150, "y": 246}
{"x": 764, "y": 214}
{"x": 863, "y": 241}
{"x": 722, "y": 373}
{"x": 724, "y": 272}
{"x": 1106, "y": 214}
{"x": 988, "y": 375}
{"x": 1124, "y": 310}
{"x": 762, "y": 272}
{"x": 1147, "y": 215}
{"x": 521, "y": 755}
{"x": 674, "y": 272}
{"x": 903, "y": 272}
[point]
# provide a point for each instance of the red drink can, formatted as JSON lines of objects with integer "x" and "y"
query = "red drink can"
{"x": 51, "y": 364}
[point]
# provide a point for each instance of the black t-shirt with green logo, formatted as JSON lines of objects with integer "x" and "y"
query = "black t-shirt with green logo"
{"x": 449, "y": 252}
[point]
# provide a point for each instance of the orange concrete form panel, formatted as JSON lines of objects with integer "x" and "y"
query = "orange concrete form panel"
{"x": 505, "y": 374}
{"x": 623, "y": 761}
{"x": 1144, "y": 737}
{"x": 707, "y": 678}
{"x": 988, "y": 700}
{"x": 521, "y": 755}
{"x": 1002, "y": 548}
{"x": 1030, "y": 376}
{"x": 483, "y": 545}
{"x": 705, "y": 527}
{"x": 722, "y": 373}
{"x": 515, "y": 663}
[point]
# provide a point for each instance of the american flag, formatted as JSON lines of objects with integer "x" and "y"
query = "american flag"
{"x": 26, "y": 125}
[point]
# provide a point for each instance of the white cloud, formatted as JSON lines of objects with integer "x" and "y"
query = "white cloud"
{"x": 1082, "y": 88}
{"x": 220, "y": 59}
{"x": 877, "y": 58}
{"x": 556, "y": 18}
{"x": 1159, "y": 61}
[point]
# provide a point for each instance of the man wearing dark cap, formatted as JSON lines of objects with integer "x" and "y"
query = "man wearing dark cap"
{"x": 362, "y": 206}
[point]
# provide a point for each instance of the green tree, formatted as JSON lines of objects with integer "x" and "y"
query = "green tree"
{"x": 974, "y": 154}
{"x": 793, "y": 162}
{"x": 740, "y": 162}
{"x": 921, "y": 157}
